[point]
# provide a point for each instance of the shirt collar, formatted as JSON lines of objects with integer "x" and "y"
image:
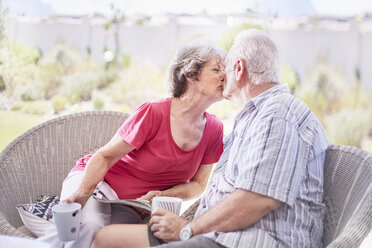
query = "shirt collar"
{"x": 257, "y": 101}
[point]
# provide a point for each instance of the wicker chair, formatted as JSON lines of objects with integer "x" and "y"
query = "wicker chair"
{"x": 36, "y": 163}
{"x": 348, "y": 196}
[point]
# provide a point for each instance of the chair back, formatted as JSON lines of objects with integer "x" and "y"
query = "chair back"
{"x": 37, "y": 162}
{"x": 347, "y": 195}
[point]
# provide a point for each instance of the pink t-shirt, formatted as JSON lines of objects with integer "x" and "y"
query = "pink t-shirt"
{"x": 157, "y": 162}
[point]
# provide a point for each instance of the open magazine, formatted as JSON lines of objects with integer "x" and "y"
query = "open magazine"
{"x": 104, "y": 193}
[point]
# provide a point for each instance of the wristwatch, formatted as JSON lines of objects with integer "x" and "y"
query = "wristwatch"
{"x": 186, "y": 232}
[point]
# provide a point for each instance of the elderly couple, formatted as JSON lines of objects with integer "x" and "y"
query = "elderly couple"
{"x": 267, "y": 187}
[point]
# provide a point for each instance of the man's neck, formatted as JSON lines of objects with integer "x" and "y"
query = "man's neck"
{"x": 253, "y": 90}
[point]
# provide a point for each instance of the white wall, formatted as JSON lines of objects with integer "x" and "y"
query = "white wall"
{"x": 347, "y": 50}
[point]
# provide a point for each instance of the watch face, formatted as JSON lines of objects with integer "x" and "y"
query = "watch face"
{"x": 185, "y": 233}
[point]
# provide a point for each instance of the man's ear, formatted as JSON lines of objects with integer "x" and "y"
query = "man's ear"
{"x": 240, "y": 70}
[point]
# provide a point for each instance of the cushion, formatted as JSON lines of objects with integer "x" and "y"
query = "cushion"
{"x": 38, "y": 216}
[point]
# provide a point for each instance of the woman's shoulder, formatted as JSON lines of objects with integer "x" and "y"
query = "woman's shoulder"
{"x": 214, "y": 129}
{"x": 157, "y": 104}
{"x": 213, "y": 121}
{"x": 162, "y": 100}
{"x": 156, "y": 110}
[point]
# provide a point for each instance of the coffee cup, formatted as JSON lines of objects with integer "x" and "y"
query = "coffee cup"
{"x": 67, "y": 219}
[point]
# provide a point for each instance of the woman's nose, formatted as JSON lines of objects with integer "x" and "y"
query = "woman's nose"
{"x": 223, "y": 76}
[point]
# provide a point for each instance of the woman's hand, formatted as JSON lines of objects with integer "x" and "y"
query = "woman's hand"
{"x": 150, "y": 195}
{"x": 78, "y": 196}
{"x": 166, "y": 225}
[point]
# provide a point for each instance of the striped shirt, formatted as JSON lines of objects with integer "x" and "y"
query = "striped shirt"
{"x": 277, "y": 148}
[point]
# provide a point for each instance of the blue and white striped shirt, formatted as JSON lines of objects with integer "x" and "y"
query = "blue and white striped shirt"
{"x": 277, "y": 148}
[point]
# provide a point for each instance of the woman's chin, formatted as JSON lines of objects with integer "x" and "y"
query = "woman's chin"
{"x": 220, "y": 95}
{"x": 220, "y": 98}
{"x": 226, "y": 95}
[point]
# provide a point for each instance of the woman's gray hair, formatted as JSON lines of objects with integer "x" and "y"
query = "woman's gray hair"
{"x": 260, "y": 54}
{"x": 188, "y": 62}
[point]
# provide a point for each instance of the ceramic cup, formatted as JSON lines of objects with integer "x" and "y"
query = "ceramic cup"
{"x": 67, "y": 219}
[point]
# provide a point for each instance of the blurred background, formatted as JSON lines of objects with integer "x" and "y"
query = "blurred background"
{"x": 60, "y": 57}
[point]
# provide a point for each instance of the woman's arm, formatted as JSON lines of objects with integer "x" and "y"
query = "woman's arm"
{"x": 97, "y": 167}
{"x": 187, "y": 190}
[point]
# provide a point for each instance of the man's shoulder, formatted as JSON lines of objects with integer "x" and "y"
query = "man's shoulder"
{"x": 297, "y": 114}
{"x": 291, "y": 110}
{"x": 281, "y": 106}
{"x": 285, "y": 106}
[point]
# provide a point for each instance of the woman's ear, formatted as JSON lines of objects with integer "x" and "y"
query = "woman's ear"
{"x": 190, "y": 80}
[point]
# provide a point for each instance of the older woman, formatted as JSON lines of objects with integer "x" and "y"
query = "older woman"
{"x": 165, "y": 148}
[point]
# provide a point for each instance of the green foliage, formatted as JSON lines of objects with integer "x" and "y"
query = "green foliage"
{"x": 354, "y": 97}
{"x": 24, "y": 53}
{"x": 367, "y": 145}
{"x": 289, "y": 76}
{"x": 59, "y": 103}
{"x": 124, "y": 108}
{"x": 189, "y": 39}
{"x": 3, "y": 13}
{"x": 49, "y": 78}
{"x": 2, "y": 84}
{"x": 138, "y": 83}
{"x": 11, "y": 126}
{"x": 79, "y": 86}
{"x": 370, "y": 122}
{"x": 106, "y": 25}
{"x": 39, "y": 107}
{"x": 342, "y": 107}
{"x": 106, "y": 77}
{"x": 61, "y": 62}
{"x": 98, "y": 102}
{"x": 63, "y": 57}
{"x": 28, "y": 92}
{"x": 65, "y": 77}
{"x": 347, "y": 127}
{"x": 225, "y": 110}
{"x": 227, "y": 38}
{"x": 125, "y": 61}
{"x": 17, "y": 65}
{"x": 324, "y": 89}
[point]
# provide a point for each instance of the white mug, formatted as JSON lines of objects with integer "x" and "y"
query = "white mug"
{"x": 67, "y": 219}
{"x": 172, "y": 204}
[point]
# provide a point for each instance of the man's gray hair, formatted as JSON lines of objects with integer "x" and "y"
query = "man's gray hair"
{"x": 188, "y": 62}
{"x": 260, "y": 54}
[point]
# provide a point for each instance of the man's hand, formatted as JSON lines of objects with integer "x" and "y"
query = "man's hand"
{"x": 78, "y": 196}
{"x": 166, "y": 225}
{"x": 150, "y": 195}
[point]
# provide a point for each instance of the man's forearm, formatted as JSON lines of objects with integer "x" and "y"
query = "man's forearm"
{"x": 238, "y": 211}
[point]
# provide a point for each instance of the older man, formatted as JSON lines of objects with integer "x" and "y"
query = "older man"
{"x": 267, "y": 188}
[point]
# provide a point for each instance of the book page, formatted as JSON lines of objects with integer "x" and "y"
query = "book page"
{"x": 138, "y": 204}
{"x": 104, "y": 193}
